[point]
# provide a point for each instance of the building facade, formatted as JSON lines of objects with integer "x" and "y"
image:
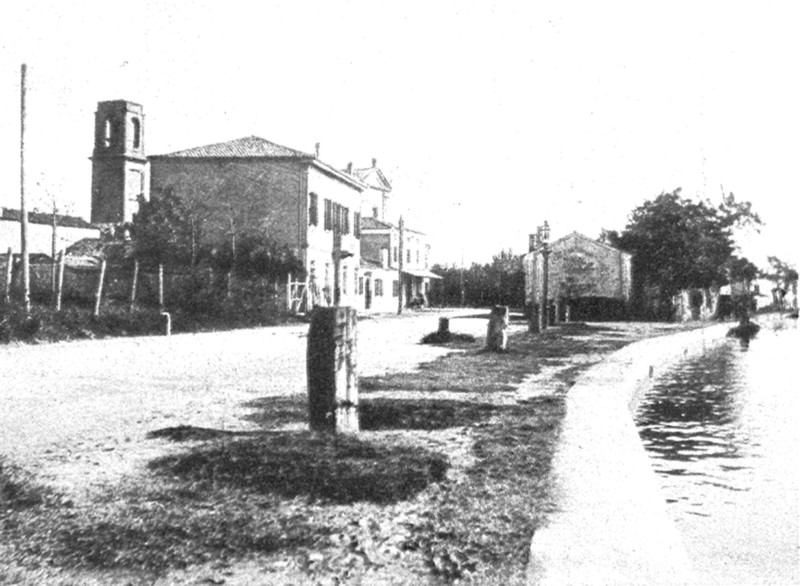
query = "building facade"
{"x": 586, "y": 279}
{"x": 382, "y": 280}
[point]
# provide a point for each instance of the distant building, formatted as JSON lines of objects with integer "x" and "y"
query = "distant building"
{"x": 381, "y": 281}
{"x": 69, "y": 229}
{"x": 590, "y": 278}
{"x": 375, "y": 200}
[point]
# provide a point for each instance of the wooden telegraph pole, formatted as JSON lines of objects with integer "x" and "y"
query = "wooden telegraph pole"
{"x": 23, "y": 212}
{"x": 543, "y": 237}
{"x": 400, "y": 268}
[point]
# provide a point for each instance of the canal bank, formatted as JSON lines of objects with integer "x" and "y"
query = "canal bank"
{"x": 611, "y": 525}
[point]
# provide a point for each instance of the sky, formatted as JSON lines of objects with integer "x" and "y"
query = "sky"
{"x": 488, "y": 117}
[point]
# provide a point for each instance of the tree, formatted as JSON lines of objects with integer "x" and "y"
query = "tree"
{"x": 785, "y": 277}
{"x": 679, "y": 243}
{"x": 163, "y": 231}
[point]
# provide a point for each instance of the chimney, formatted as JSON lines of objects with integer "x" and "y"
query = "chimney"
{"x": 374, "y": 162}
{"x": 349, "y": 168}
{"x": 316, "y": 151}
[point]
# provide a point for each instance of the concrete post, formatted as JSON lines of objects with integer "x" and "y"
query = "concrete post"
{"x": 332, "y": 370}
{"x": 497, "y": 330}
{"x": 444, "y": 325}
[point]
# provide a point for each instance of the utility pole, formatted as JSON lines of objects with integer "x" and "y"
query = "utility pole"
{"x": 23, "y": 211}
{"x": 533, "y": 310}
{"x": 543, "y": 238}
{"x": 400, "y": 249}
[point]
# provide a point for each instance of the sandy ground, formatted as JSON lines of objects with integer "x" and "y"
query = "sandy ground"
{"x": 77, "y": 414}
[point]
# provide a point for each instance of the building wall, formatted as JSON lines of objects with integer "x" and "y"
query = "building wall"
{"x": 40, "y": 237}
{"x": 388, "y": 287}
{"x": 374, "y": 204}
{"x": 319, "y": 253}
{"x": 275, "y": 204}
{"x": 579, "y": 267}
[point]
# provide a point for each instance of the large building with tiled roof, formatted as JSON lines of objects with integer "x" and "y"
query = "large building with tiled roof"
{"x": 252, "y": 185}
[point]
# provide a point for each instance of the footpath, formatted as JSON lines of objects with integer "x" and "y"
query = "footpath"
{"x": 611, "y": 526}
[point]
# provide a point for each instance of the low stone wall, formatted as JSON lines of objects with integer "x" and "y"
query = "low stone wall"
{"x": 611, "y": 524}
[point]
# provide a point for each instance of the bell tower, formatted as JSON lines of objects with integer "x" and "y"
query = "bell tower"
{"x": 118, "y": 161}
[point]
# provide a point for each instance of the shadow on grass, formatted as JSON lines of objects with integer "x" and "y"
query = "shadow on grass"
{"x": 339, "y": 469}
{"x": 375, "y": 414}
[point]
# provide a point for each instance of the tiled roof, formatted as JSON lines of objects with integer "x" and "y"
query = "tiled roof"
{"x": 115, "y": 250}
{"x": 244, "y": 148}
{"x": 45, "y": 218}
{"x": 370, "y": 223}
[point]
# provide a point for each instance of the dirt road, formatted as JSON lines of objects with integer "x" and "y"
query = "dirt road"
{"x": 77, "y": 413}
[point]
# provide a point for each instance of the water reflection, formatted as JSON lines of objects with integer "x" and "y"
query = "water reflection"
{"x": 691, "y": 413}
{"x": 721, "y": 434}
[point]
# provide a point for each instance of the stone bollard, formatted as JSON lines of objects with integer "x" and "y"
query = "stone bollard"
{"x": 331, "y": 370}
{"x": 497, "y": 330}
{"x": 444, "y": 326}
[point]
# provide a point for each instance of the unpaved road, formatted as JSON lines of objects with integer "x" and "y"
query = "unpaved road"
{"x": 76, "y": 414}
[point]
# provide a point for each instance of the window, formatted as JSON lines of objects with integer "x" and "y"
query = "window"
{"x": 361, "y": 285}
{"x": 375, "y": 212}
{"x": 345, "y": 220}
{"x": 378, "y": 287}
{"x": 394, "y": 254}
{"x": 328, "y": 214}
{"x": 417, "y": 256}
{"x": 137, "y": 133}
{"x": 408, "y": 256}
{"x": 107, "y": 133}
{"x": 356, "y": 224}
{"x": 344, "y": 279}
{"x": 356, "y": 281}
{"x": 395, "y": 288}
{"x": 313, "y": 210}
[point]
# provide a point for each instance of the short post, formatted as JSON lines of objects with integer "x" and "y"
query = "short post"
{"x": 9, "y": 273}
{"x": 167, "y": 323}
{"x": 497, "y": 330}
{"x": 62, "y": 259}
{"x": 134, "y": 283}
{"x": 99, "y": 293}
{"x": 161, "y": 285}
{"x": 444, "y": 325}
{"x": 332, "y": 371}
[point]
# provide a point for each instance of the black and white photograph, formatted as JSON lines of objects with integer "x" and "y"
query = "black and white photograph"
{"x": 399, "y": 293}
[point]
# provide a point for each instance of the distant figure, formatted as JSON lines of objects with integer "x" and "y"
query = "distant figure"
{"x": 497, "y": 330}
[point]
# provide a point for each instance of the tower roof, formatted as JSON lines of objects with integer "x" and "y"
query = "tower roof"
{"x": 244, "y": 148}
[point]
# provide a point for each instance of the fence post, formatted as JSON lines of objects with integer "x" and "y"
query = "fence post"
{"x": 62, "y": 259}
{"x": 332, "y": 371}
{"x": 134, "y": 282}
{"x": 289, "y": 292}
{"x": 9, "y": 273}
{"x": 99, "y": 295}
{"x": 161, "y": 286}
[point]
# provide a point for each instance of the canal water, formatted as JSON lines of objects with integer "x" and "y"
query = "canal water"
{"x": 721, "y": 431}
